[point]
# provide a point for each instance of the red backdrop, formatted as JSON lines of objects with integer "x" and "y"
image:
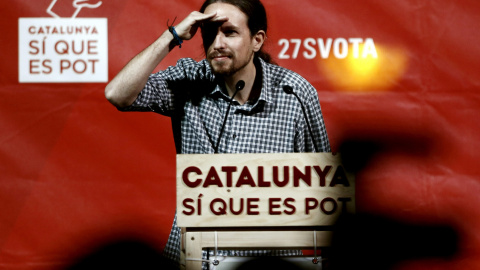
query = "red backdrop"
{"x": 76, "y": 173}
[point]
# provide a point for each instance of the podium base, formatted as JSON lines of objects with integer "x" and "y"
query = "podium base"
{"x": 238, "y": 263}
{"x": 194, "y": 242}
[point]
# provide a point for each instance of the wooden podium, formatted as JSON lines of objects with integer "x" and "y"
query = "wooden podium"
{"x": 260, "y": 201}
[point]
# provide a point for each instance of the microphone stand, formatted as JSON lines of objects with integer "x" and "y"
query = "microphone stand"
{"x": 239, "y": 86}
{"x": 289, "y": 90}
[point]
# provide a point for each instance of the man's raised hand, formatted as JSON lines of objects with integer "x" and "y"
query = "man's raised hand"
{"x": 189, "y": 26}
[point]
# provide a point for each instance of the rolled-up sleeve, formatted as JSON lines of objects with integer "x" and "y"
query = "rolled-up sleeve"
{"x": 160, "y": 92}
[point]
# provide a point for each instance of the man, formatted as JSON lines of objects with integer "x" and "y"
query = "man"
{"x": 198, "y": 95}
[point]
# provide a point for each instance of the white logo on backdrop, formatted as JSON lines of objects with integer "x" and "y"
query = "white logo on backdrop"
{"x": 64, "y": 49}
{"x": 77, "y": 4}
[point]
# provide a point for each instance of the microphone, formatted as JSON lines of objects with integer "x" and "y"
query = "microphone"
{"x": 289, "y": 90}
{"x": 238, "y": 87}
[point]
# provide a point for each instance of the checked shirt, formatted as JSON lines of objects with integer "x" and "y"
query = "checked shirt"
{"x": 197, "y": 102}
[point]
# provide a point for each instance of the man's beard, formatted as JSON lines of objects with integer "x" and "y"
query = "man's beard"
{"x": 229, "y": 67}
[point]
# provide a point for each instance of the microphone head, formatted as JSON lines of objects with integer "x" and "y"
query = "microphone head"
{"x": 240, "y": 85}
{"x": 288, "y": 89}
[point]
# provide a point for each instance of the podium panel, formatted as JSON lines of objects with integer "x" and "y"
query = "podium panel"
{"x": 248, "y": 190}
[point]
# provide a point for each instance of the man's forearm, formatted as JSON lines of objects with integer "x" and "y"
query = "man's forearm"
{"x": 124, "y": 88}
{"x": 129, "y": 82}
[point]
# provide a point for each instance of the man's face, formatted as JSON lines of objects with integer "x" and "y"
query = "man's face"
{"x": 228, "y": 45}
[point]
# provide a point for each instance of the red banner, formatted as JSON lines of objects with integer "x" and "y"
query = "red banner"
{"x": 77, "y": 174}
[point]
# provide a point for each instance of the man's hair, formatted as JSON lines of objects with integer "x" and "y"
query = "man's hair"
{"x": 256, "y": 16}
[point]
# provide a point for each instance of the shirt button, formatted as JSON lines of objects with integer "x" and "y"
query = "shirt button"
{"x": 234, "y": 136}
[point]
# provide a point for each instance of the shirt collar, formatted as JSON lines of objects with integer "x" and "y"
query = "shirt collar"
{"x": 265, "y": 94}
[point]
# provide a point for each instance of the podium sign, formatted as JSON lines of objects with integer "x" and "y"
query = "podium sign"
{"x": 253, "y": 190}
